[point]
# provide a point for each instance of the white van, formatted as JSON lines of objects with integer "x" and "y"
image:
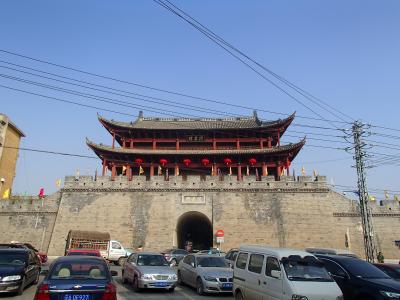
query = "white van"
{"x": 262, "y": 273}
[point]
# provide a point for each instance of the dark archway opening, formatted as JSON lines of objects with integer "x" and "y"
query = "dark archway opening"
{"x": 195, "y": 227}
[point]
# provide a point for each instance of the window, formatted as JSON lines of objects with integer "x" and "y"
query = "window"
{"x": 116, "y": 245}
{"x": 334, "y": 268}
{"x": 256, "y": 263}
{"x": 188, "y": 259}
{"x": 272, "y": 265}
{"x": 131, "y": 258}
{"x": 242, "y": 260}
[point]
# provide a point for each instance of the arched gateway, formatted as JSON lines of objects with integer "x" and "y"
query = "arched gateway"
{"x": 195, "y": 227}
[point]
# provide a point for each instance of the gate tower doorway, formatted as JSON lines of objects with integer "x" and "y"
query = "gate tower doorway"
{"x": 195, "y": 227}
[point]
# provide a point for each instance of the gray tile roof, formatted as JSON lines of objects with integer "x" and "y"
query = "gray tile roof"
{"x": 203, "y": 123}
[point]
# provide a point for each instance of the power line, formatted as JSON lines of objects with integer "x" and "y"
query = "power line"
{"x": 145, "y": 86}
{"x": 49, "y": 152}
{"x": 248, "y": 65}
{"x": 213, "y": 36}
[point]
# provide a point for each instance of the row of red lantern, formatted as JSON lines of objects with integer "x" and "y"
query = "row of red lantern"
{"x": 204, "y": 161}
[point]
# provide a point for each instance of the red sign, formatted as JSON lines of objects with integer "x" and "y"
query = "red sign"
{"x": 220, "y": 233}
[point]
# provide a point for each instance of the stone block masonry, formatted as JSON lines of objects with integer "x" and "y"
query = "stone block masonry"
{"x": 297, "y": 214}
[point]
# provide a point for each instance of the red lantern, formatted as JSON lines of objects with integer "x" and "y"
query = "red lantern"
{"x": 227, "y": 161}
{"x": 252, "y": 161}
{"x": 187, "y": 162}
{"x": 205, "y": 161}
{"x": 163, "y": 162}
{"x": 138, "y": 161}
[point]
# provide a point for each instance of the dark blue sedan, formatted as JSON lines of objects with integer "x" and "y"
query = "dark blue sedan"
{"x": 78, "y": 278}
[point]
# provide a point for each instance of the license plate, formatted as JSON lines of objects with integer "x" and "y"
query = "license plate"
{"x": 76, "y": 297}
{"x": 227, "y": 285}
{"x": 161, "y": 283}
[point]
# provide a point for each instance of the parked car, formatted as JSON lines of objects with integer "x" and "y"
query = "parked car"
{"x": 174, "y": 256}
{"x": 19, "y": 267}
{"x": 331, "y": 251}
{"x": 212, "y": 251}
{"x": 111, "y": 250}
{"x": 85, "y": 252}
{"x": 359, "y": 279}
{"x": 40, "y": 254}
{"x": 393, "y": 270}
{"x": 149, "y": 270}
{"x": 78, "y": 278}
{"x": 230, "y": 257}
{"x": 206, "y": 273}
{"x": 279, "y": 273}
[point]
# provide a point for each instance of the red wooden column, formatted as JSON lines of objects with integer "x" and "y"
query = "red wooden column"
{"x": 269, "y": 142}
{"x": 261, "y": 144}
{"x": 264, "y": 169}
{"x": 131, "y": 145}
{"x": 176, "y": 170}
{"x": 237, "y": 144}
{"x": 113, "y": 141}
{"x": 113, "y": 172}
{"x": 214, "y": 144}
{"x": 239, "y": 172}
{"x": 177, "y": 144}
{"x": 278, "y": 170}
{"x": 154, "y": 144}
{"x": 123, "y": 143}
{"x": 129, "y": 172}
{"x": 279, "y": 137}
{"x": 104, "y": 167}
{"x": 151, "y": 170}
{"x": 214, "y": 173}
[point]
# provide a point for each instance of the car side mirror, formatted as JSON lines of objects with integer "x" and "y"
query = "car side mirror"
{"x": 192, "y": 264}
{"x": 114, "y": 273}
{"x": 276, "y": 274}
{"x": 44, "y": 272}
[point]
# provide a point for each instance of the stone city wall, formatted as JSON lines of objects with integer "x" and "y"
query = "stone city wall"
{"x": 286, "y": 213}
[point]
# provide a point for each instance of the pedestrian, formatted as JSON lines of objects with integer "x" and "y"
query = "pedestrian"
{"x": 139, "y": 248}
{"x": 380, "y": 257}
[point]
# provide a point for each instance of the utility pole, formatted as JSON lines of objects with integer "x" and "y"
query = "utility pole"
{"x": 366, "y": 220}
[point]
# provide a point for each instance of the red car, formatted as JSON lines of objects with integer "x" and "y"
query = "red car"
{"x": 87, "y": 252}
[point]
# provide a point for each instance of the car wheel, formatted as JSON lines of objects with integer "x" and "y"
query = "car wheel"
{"x": 136, "y": 287}
{"x": 171, "y": 290}
{"x": 199, "y": 287}
{"x": 173, "y": 262}
{"x": 121, "y": 261}
{"x": 21, "y": 287}
{"x": 180, "y": 281}
{"x": 239, "y": 296}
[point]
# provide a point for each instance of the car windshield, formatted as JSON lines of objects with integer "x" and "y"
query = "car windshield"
{"x": 210, "y": 262}
{"x": 363, "y": 269}
{"x": 9, "y": 258}
{"x": 83, "y": 253}
{"x": 151, "y": 260}
{"x": 80, "y": 269}
{"x": 305, "y": 269}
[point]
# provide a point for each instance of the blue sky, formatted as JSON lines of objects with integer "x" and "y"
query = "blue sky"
{"x": 344, "y": 52}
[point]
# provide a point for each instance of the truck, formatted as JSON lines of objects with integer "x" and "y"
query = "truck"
{"x": 111, "y": 250}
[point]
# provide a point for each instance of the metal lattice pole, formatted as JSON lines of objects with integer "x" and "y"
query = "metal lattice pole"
{"x": 366, "y": 220}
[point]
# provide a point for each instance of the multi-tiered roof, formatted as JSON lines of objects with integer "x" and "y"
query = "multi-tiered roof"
{"x": 197, "y": 146}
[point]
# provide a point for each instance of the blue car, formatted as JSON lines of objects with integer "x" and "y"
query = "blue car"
{"x": 78, "y": 278}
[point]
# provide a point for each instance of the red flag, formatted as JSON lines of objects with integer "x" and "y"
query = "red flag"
{"x": 41, "y": 193}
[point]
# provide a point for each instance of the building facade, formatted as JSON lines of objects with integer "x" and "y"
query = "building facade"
{"x": 241, "y": 146}
{"x": 10, "y": 137}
